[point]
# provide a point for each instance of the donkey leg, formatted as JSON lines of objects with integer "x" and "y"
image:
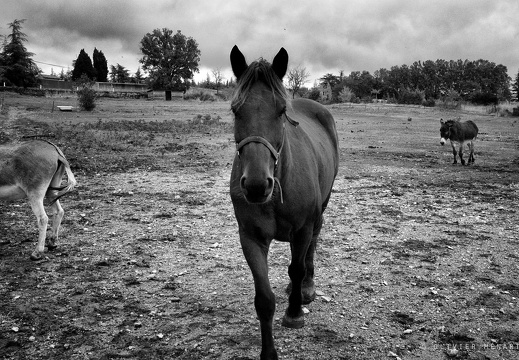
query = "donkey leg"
{"x": 454, "y": 153}
{"x": 461, "y": 154}
{"x": 471, "y": 154}
{"x": 57, "y": 215}
{"x": 38, "y": 209}
{"x": 264, "y": 301}
{"x": 294, "y": 316}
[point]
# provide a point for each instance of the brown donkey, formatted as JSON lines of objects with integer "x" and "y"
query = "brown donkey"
{"x": 34, "y": 170}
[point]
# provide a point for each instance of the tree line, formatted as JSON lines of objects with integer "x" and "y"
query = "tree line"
{"x": 171, "y": 59}
{"x": 480, "y": 82}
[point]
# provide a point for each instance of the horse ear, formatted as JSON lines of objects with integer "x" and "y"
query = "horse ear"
{"x": 280, "y": 63}
{"x": 238, "y": 63}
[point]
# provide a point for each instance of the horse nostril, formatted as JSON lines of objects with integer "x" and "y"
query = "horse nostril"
{"x": 242, "y": 185}
{"x": 270, "y": 184}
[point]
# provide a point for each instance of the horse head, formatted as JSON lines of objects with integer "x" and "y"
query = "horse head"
{"x": 259, "y": 105}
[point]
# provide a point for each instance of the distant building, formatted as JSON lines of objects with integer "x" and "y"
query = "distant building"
{"x": 325, "y": 92}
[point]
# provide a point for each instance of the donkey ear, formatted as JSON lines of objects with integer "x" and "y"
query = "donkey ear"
{"x": 280, "y": 63}
{"x": 238, "y": 63}
{"x": 441, "y": 121}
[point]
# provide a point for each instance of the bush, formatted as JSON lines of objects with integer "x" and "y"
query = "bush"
{"x": 314, "y": 94}
{"x": 200, "y": 94}
{"x": 346, "y": 95}
{"x": 428, "y": 102}
{"x": 483, "y": 98}
{"x": 87, "y": 98}
{"x": 86, "y": 95}
{"x": 410, "y": 97}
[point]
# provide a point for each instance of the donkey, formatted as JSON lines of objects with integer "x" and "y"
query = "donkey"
{"x": 459, "y": 133}
{"x": 34, "y": 170}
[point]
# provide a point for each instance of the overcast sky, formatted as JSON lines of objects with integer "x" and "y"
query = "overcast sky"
{"x": 324, "y": 36}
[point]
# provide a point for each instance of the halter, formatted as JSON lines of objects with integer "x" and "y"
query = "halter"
{"x": 275, "y": 153}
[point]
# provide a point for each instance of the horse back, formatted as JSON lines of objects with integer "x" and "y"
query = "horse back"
{"x": 317, "y": 143}
{"x": 464, "y": 131}
{"x": 317, "y": 121}
{"x": 29, "y": 165}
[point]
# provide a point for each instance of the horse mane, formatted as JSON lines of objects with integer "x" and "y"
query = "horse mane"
{"x": 259, "y": 70}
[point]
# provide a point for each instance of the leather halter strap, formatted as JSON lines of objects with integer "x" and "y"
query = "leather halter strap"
{"x": 275, "y": 153}
{"x": 262, "y": 140}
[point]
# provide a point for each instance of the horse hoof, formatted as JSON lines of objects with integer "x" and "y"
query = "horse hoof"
{"x": 51, "y": 247}
{"x": 293, "y": 323}
{"x": 308, "y": 297}
{"x": 36, "y": 256}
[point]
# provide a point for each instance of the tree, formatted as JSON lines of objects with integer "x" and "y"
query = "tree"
{"x": 138, "y": 77}
{"x": 100, "y": 66}
{"x": 119, "y": 74}
{"x": 83, "y": 65}
{"x": 171, "y": 60}
{"x": 17, "y": 67}
{"x": 218, "y": 78}
{"x": 296, "y": 78}
{"x": 515, "y": 86}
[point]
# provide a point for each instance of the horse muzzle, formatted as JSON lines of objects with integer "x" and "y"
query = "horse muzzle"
{"x": 257, "y": 190}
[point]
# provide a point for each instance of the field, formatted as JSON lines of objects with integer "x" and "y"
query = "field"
{"x": 418, "y": 258}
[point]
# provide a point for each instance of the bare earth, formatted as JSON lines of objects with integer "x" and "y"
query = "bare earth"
{"x": 418, "y": 258}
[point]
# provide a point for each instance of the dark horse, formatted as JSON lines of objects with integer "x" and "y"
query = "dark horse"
{"x": 459, "y": 133}
{"x": 281, "y": 181}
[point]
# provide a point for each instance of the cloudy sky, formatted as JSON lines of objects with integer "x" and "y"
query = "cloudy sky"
{"x": 323, "y": 36}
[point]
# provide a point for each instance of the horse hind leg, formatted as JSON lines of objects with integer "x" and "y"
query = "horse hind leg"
{"x": 308, "y": 285}
{"x": 36, "y": 202}
{"x": 460, "y": 153}
{"x": 471, "y": 155}
{"x": 57, "y": 213}
{"x": 294, "y": 316}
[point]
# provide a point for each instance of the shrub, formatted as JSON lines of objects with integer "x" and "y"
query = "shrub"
{"x": 200, "y": 94}
{"x": 314, "y": 94}
{"x": 410, "y": 97}
{"x": 483, "y": 98}
{"x": 346, "y": 95}
{"x": 428, "y": 102}
{"x": 86, "y": 95}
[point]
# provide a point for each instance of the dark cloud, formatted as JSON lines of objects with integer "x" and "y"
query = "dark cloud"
{"x": 325, "y": 36}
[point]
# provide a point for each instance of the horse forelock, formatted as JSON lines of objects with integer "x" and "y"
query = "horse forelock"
{"x": 259, "y": 70}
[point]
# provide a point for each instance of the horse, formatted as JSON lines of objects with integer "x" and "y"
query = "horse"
{"x": 286, "y": 161}
{"x": 34, "y": 170}
{"x": 459, "y": 133}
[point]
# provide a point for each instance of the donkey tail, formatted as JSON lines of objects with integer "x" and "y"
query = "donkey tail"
{"x": 71, "y": 180}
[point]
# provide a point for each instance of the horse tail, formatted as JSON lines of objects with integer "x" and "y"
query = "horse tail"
{"x": 71, "y": 180}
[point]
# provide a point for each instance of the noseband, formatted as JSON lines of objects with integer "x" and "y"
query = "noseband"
{"x": 275, "y": 153}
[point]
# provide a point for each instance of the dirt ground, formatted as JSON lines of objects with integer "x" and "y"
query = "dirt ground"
{"x": 418, "y": 258}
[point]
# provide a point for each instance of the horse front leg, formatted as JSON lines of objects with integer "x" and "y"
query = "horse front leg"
{"x": 264, "y": 301}
{"x": 294, "y": 316}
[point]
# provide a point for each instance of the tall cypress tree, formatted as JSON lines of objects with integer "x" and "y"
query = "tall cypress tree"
{"x": 83, "y": 65}
{"x": 100, "y": 65}
{"x": 18, "y": 67}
